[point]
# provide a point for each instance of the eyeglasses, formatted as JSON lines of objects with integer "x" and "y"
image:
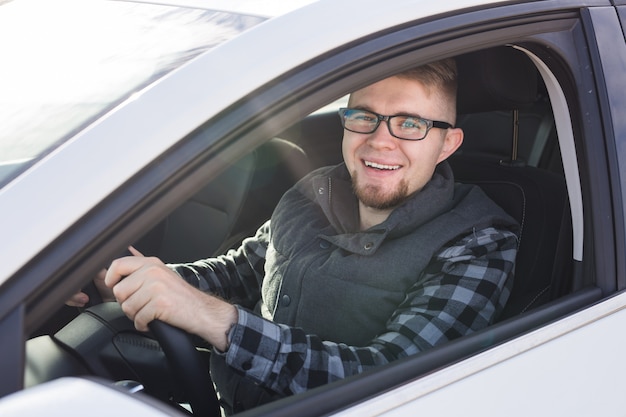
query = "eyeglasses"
{"x": 400, "y": 126}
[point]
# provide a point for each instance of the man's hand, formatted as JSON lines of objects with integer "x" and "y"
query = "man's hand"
{"x": 80, "y": 299}
{"x": 147, "y": 290}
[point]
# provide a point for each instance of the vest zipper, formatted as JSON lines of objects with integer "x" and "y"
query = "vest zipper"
{"x": 330, "y": 189}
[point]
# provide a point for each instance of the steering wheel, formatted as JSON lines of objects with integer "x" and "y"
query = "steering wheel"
{"x": 185, "y": 361}
{"x": 102, "y": 341}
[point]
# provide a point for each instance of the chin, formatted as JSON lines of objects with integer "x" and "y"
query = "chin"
{"x": 375, "y": 198}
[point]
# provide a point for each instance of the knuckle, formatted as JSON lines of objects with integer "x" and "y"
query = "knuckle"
{"x": 128, "y": 310}
{"x": 153, "y": 263}
{"x": 119, "y": 293}
{"x": 115, "y": 264}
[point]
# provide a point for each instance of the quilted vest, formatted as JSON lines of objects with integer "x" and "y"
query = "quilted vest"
{"x": 342, "y": 284}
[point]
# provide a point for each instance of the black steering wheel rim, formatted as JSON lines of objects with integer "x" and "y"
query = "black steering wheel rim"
{"x": 187, "y": 367}
{"x": 103, "y": 341}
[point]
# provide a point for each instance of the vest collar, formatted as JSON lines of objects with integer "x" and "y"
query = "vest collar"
{"x": 334, "y": 194}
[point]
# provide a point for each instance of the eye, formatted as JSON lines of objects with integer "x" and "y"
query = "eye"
{"x": 410, "y": 123}
{"x": 361, "y": 116}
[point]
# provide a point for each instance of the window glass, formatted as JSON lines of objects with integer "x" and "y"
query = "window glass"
{"x": 66, "y": 62}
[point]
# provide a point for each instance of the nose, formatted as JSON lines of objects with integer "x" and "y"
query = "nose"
{"x": 381, "y": 137}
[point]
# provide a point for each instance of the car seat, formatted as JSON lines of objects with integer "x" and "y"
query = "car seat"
{"x": 504, "y": 79}
{"x": 231, "y": 207}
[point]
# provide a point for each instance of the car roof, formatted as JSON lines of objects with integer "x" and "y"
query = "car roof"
{"x": 264, "y": 8}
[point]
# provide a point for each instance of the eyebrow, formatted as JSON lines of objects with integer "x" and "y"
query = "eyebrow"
{"x": 366, "y": 108}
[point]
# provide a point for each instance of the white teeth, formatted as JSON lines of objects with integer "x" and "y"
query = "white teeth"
{"x": 379, "y": 166}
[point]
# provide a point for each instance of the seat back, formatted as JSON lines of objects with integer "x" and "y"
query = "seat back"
{"x": 537, "y": 199}
{"x": 230, "y": 207}
{"x": 504, "y": 79}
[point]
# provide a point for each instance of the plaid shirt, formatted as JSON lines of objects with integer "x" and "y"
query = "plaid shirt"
{"x": 464, "y": 287}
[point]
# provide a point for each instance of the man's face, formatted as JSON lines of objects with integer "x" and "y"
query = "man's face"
{"x": 385, "y": 170}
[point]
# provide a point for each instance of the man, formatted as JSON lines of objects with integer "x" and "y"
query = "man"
{"x": 378, "y": 258}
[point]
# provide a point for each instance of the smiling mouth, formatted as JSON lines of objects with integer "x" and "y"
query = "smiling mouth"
{"x": 381, "y": 166}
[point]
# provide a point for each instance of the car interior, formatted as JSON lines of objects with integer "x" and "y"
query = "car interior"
{"x": 510, "y": 150}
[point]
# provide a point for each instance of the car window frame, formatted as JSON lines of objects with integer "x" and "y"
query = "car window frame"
{"x": 608, "y": 51}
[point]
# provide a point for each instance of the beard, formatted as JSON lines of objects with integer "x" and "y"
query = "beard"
{"x": 380, "y": 198}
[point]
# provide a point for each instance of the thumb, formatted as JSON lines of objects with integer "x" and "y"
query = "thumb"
{"x": 134, "y": 251}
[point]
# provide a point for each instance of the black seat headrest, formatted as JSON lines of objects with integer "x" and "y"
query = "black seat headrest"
{"x": 500, "y": 78}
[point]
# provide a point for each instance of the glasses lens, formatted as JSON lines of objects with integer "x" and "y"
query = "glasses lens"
{"x": 407, "y": 127}
{"x": 359, "y": 121}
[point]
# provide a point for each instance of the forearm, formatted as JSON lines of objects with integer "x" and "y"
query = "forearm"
{"x": 215, "y": 319}
{"x": 235, "y": 276}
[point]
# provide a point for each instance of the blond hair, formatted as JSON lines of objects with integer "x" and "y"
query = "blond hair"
{"x": 438, "y": 76}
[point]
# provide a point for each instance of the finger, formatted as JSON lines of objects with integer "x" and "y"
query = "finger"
{"x": 80, "y": 299}
{"x": 134, "y": 251}
{"x": 136, "y": 308}
{"x": 161, "y": 295}
{"x": 101, "y": 274}
{"x": 149, "y": 309}
{"x": 137, "y": 273}
{"x": 105, "y": 292}
{"x": 145, "y": 300}
{"x": 123, "y": 267}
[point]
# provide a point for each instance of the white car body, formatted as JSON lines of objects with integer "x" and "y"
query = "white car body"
{"x": 539, "y": 372}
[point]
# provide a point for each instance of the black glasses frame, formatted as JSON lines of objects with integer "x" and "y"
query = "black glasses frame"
{"x": 380, "y": 118}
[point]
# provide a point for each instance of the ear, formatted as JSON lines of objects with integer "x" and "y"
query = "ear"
{"x": 452, "y": 141}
